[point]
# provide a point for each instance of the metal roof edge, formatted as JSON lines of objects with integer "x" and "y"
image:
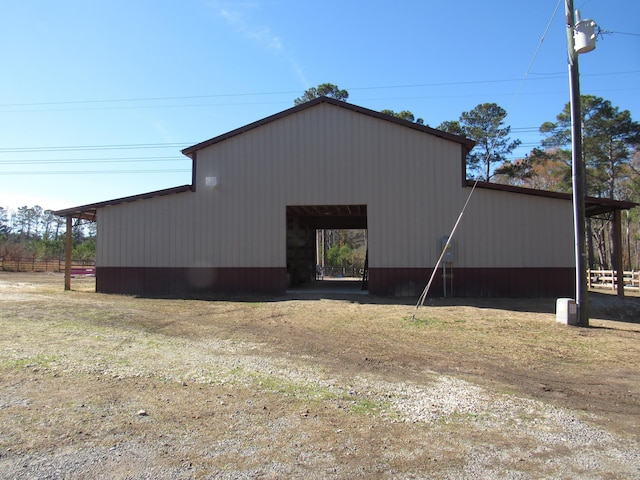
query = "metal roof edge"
{"x": 468, "y": 143}
{"x": 88, "y": 211}
{"x": 606, "y": 202}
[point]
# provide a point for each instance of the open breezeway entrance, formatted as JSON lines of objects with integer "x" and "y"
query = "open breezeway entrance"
{"x": 311, "y": 231}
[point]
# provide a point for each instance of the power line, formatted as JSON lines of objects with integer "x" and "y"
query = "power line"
{"x": 94, "y": 172}
{"x": 425, "y": 292}
{"x": 143, "y": 99}
{"x": 550, "y": 76}
{"x": 609, "y": 32}
{"x": 137, "y": 107}
{"x": 52, "y": 161}
{"x": 131, "y": 146}
{"x": 78, "y": 148}
{"x": 535, "y": 54}
{"x": 245, "y": 104}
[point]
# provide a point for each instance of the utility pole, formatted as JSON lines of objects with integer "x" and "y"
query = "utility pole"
{"x": 577, "y": 163}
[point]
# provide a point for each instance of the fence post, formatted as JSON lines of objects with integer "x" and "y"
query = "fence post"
{"x": 613, "y": 279}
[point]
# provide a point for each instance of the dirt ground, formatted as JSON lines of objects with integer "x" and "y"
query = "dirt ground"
{"x": 109, "y": 386}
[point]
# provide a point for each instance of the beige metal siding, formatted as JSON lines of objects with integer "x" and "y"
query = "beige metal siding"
{"x": 329, "y": 155}
{"x": 504, "y": 229}
{"x": 409, "y": 180}
{"x": 152, "y": 232}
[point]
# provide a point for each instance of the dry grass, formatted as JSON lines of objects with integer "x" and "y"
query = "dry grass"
{"x": 299, "y": 387}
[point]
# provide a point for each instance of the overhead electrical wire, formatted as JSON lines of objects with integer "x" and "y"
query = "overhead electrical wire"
{"x": 609, "y": 32}
{"x": 96, "y": 172}
{"x": 25, "y": 105}
{"x": 141, "y": 99}
{"x": 92, "y": 161}
{"x": 535, "y": 55}
{"x": 73, "y": 148}
{"x": 137, "y": 107}
{"x": 227, "y": 95}
{"x": 54, "y": 161}
{"x": 79, "y": 148}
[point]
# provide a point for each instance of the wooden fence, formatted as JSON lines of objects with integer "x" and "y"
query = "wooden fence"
{"x": 78, "y": 267}
{"x": 597, "y": 278}
{"x": 609, "y": 279}
{"x": 338, "y": 272}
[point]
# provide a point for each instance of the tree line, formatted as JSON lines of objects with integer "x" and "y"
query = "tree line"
{"x": 610, "y": 153}
{"x": 33, "y": 234}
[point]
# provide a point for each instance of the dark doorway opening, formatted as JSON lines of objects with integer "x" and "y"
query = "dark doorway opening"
{"x": 307, "y": 234}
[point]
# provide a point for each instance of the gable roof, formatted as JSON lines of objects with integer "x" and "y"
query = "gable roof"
{"x": 594, "y": 206}
{"x": 467, "y": 143}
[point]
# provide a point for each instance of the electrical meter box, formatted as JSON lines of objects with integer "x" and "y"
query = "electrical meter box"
{"x": 449, "y": 255}
{"x": 566, "y": 311}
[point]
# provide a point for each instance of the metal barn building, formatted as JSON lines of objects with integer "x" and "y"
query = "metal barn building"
{"x": 248, "y": 221}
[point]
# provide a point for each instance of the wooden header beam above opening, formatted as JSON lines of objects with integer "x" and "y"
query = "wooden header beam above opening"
{"x": 327, "y": 211}
{"x": 330, "y": 216}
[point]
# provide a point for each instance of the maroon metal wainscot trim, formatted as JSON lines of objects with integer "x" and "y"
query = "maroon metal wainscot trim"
{"x": 185, "y": 281}
{"x": 475, "y": 282}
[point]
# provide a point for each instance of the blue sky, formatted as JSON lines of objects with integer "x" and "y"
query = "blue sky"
{"x": 98, "y": 98}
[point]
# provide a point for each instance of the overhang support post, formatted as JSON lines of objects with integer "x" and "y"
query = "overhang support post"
{"x": 617, "y": 251}
{"x": 68, "y": 247}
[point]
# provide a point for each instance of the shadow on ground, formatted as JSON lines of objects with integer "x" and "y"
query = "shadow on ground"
{"x": 602, "y": 306}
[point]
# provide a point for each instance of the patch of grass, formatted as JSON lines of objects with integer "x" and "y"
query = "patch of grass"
{"x": 37, "y": 361}
{"x": 506, "y": 391}
{"x": 307, "y": 391}
{"x": 424, "y": 322}
{"x": 236, "y": 372}
{"x": 118, "y": 361}
{"x": 236, "y": 376}
{"x": 369, "y": 407}
{"x": 300, "y": 390}
{"x": 432, "y": 321}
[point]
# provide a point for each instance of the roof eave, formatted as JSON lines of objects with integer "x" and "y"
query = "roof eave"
{"x": 89, "y": 211}
{"x": 467, "y": 143}
{"x": 595, "y": 205}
